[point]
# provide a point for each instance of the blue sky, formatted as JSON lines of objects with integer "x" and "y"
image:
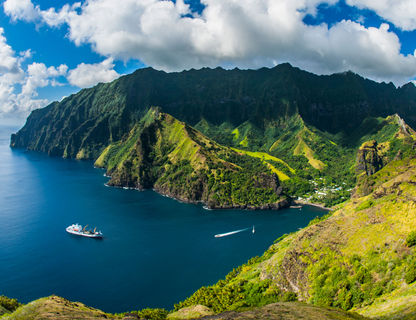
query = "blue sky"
{"x": 51, "y": 48}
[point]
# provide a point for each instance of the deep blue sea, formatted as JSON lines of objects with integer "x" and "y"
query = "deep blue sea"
{"x": 156, "y": 251}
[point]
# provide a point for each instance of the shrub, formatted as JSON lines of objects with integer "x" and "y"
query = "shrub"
{"x": 152, "y": 314}
{"x": 411, "y": 239}
{"x": 289, "y": 296}
{"x": 410, "y": 275}
{"x": 9, "y": 304}
{"x": 365, "y": 205}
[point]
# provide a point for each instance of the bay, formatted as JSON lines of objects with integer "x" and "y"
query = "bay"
{"x": 156, "y": 251}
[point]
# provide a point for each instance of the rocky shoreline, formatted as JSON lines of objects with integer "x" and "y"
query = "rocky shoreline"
{"x": 306, "y": 203}
{"x": 282, "y": 204}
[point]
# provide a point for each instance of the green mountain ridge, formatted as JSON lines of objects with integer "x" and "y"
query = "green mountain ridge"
{"x": 176, "y": 160}
{"x": 93, "y": 118}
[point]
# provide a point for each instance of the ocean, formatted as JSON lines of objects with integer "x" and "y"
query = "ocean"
{"x": 156, "y": 251}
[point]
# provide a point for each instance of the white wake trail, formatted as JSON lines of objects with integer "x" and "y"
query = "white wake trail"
{"x": 220, "y": 235}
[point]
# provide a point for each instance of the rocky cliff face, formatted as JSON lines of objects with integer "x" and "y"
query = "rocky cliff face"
{"x": 83, "y": 124}
{"x": 368, "y": 158}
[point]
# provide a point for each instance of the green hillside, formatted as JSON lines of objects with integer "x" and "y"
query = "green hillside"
{"x": 56, "y": 308}
{"x": 171, "y": 157}
{"x": 361, "y": 257}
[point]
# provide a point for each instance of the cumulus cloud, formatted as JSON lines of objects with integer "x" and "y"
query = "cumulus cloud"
{"x": 20, "y": 80}
{"x": 87, "y": 75}
{"x": 18, "y": 85}
{"x": 402, "y": 13}
{"x": 39, "y": 76}
{"x": 243, "y": 33}
{"x": 21, "y": 10}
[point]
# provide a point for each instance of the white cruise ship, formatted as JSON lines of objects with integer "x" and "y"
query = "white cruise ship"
{"x": 78, "y": 230}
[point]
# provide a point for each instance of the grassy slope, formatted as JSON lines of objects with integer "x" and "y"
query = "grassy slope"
{"x": 398, "y": 305}
{"x": 268, "y": 159}
{"x": 3, "y": 310}
{"x": 56, "y": 308}
{"x": 288, "y": 311}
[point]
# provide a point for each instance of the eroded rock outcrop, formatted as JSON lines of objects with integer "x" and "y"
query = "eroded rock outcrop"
{"x": 368, "y": 158}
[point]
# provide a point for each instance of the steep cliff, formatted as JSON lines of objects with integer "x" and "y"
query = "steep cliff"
{"x": 369, "y": 159}
{"x": 83, "y": 124}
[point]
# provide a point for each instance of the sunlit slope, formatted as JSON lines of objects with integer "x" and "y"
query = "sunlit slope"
{"x": 56, "y": 308}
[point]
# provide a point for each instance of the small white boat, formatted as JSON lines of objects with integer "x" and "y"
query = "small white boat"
{"x": 78, "y": 230}
{"x": 253, "y": 231}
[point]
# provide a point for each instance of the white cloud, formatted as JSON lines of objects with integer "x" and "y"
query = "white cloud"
{"x": 87, "y": 75}
{"x": 18, "y": 85}
{"x": 39, "y": 76}
{"x": 402, "y": 13}
{"x": 21, "y": 10}
{"x": 243, "y": 33}
{"x": 55, "y": 18}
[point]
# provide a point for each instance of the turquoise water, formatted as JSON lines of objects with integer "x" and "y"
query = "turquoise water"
{"x": 156, "y": 251}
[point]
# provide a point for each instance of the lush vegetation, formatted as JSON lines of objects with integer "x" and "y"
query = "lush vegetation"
{"x": 9, "y": 304}
{"x": 358, "y": 281}
{"x": 238, "y": 292}
{"x": 411, "y": 239}
{"x": 149, "y": 313}
{"x": 268, "y": 114}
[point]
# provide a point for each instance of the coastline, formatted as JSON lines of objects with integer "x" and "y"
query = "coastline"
{"x": 283, "y": 204}
{"x": 317, "y": 205}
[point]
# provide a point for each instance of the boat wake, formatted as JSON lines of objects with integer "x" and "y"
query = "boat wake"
{"x": 220, "y": 235}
